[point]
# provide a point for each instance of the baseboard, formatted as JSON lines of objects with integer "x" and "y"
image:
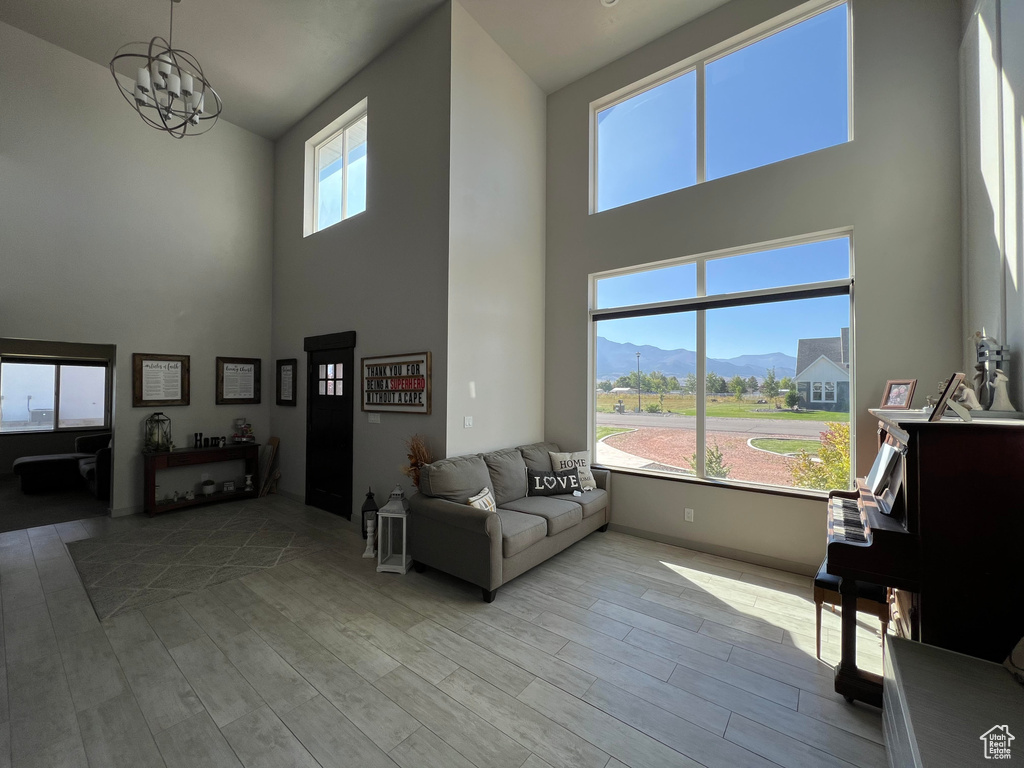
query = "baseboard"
{"x": 713, "y": 549}
{"x": 126, "y": 511}
{"x": 301, "y": 499}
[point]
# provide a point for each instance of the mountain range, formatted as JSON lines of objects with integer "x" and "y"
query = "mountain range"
{"x": 615, "y": 359}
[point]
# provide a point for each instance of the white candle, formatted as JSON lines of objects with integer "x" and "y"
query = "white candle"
{"x": 142, "y": 79}
{"x": 198, "y": 103}
{"x": 163, "y": 62}
{"x": 140, "y": 96}
{"x": 158, "y": 81}
{"x": 186, "y": 83}
{"x": 173, "y": 85}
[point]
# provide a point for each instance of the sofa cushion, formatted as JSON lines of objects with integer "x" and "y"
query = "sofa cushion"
{"x": 537, "y": 455}
{"x": 591, "y": 501}
{"x": 560, "y": 514}
{"x": 483, "y": 500}
{"x": 508, "y": 474}
{"x": 519, "y": 531}
{"x": 552, "y": 483}
{"x": 454, "y": 479}
{"x": 579, "y": 460}
{"x": 87, "y": 467}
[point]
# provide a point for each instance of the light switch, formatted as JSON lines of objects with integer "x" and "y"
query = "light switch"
{"x": 469, "y": 422}
{"x": 374, "y": 418}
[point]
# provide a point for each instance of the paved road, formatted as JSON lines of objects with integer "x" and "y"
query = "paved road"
{"x": 792, "y": 427}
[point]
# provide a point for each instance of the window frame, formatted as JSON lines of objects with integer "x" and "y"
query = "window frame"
{"x": 700, "y": 305}
{"x": 698, "y": 63}
{"x": 58, "y": 363}
{"x": 311, "y": 196}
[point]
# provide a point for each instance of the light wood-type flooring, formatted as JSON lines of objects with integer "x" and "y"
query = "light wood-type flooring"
{"x": 617, "y": 652}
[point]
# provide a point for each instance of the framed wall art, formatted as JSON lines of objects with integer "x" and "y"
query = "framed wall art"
{"x": 159, "y": 380}
{"x": 396, "y": 383}
{"x": 238, "y": 380}
{"x": 287, "y": 372}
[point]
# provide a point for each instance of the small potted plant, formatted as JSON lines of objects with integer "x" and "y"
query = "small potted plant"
{"x": 209, "y": 487}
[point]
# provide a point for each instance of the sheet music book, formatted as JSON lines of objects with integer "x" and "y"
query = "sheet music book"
{"x": 881, "y": 470}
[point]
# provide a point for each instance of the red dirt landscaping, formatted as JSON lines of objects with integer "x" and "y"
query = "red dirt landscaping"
{"x": 676, "y": 447}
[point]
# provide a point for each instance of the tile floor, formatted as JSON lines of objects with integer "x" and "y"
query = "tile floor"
{"x": 617, "y": 652}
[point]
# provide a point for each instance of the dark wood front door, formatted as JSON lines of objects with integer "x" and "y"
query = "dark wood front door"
{"x": 331, "y": 387}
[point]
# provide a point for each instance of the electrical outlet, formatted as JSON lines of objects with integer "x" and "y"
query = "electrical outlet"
{"x": 468, "y": 422}
{"x": 689, "y": 515}
{"x": 374, "y": 418}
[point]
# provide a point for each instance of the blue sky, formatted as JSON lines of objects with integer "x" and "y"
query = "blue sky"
{"x": 780, "y": 97}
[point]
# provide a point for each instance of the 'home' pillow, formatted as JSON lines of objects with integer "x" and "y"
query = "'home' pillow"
{"x": 580, "y": 460}
{"x": 483, "y": 500}
{"x": 551, "y": 483}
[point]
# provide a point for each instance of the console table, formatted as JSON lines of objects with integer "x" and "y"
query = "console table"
{"x": 183, "y": 457}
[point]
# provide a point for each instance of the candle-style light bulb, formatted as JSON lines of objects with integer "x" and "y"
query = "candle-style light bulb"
{"x": 142, "y": 79}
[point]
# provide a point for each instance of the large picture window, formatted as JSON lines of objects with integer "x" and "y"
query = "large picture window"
{"x": 781, "y": 91}
{"x": 48, "y": 395}
{"x": 733, "y": 366}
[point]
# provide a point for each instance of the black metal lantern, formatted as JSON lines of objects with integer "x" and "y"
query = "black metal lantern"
{"x": 157, "y": 434}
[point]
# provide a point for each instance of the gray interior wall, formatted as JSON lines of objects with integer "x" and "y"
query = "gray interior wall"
{"x": 382, "y": 273}
{"x": 496, "y": 249}
{"x": 897, "y": 184}
{"x": 114, "y": 233}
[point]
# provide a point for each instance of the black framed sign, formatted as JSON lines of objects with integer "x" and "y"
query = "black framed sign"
{"x": 159, "y": 380}
{"x": 238, "y": 380}
{"x": 287, "y": 373}
{"x": 397, "y": 383}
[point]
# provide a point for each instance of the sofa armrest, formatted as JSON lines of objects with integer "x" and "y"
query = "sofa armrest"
{"x": 457, "y": 539}
{"x": 458, "y": 515}
{"x": 603, "y": 477}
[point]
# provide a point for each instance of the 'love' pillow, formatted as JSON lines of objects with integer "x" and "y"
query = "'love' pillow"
{"x": 551, "y": 483}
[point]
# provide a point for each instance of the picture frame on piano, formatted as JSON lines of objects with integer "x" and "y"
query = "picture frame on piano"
{"x": 898, "y": 394}
{"x": 947, "y": 392}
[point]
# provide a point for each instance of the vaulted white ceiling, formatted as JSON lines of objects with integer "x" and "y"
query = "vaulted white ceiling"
{"x": 272, "y": 61}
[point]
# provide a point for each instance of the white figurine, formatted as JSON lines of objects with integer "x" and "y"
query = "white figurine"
{"x": 966, "y": 397}
{"x": 1000, "y": 398}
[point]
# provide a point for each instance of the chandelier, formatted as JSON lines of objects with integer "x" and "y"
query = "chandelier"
{"x": 170, "y": 91}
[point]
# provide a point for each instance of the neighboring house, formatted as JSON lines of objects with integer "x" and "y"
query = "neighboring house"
{"x": 823, "y": 372}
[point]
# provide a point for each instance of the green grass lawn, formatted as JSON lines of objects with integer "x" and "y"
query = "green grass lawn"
{"x": 784, "y": 445}
{"x": 726, "y": 407}
{"x": 603, "y": 432}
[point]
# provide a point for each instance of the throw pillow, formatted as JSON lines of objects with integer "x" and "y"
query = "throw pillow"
{"x": 551, "y": 483}
{"x": 483, "y": 500}
{"x": 580, "y": 460}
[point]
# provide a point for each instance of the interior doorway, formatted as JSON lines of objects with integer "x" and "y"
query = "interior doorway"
{"x": 330, "y": 398}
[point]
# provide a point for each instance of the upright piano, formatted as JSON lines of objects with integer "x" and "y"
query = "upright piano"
{"x": 945, "y": 529}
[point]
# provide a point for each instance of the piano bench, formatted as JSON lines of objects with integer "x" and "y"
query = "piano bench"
{"x": 871, "y": 598}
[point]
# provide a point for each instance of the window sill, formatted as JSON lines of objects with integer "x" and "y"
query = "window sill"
{"x": 63, "y": 431}
{"x": 733, "y": 485}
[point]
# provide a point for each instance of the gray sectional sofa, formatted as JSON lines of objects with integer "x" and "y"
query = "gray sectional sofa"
{"x": 492, "y": 548}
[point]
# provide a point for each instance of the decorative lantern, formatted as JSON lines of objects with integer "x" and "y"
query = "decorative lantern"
{"x": 391, "y": 553}
{"x": 157, "y": 436}
{"x": 369, "y": 522}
